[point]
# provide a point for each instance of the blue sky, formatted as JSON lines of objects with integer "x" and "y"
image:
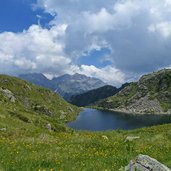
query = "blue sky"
{"x": 97, "y": 58}
{"x": 114, "y": 40}
{"x": 17, "y": 15}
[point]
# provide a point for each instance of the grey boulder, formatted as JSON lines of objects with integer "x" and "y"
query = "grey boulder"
{"x": 145, "y": 163}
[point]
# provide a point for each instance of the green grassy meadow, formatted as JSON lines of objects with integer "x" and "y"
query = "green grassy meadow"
{"x": 27, "y": 145}
{"x": 37, "y": 149}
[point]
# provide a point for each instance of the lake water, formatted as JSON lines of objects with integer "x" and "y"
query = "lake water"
{"x": 98, "y": 120}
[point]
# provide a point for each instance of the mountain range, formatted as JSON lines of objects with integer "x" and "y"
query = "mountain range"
{"x": 69, "y": 85}
{"x": 66, "y": 85}
{"x": 150, "y": 95}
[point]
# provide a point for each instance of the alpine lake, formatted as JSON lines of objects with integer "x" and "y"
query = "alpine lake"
{"x": 101, "y": 120}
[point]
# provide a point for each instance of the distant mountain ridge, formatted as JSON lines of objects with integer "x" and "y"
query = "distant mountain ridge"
{"x": 69, "y": 85}
{"x": 95, "y": 95}
{"x": 38, "y": 79}
{"x": 66, "y": 85}
{"x": 150, "y": 95}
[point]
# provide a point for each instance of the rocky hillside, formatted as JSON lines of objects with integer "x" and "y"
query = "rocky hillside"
{"x": 95, "y": 95}
{"x": 151, "y": 95}
{"x": 24, "y": 103}
{"x": 69, "y": 85}
{"x": 66, "y": 85}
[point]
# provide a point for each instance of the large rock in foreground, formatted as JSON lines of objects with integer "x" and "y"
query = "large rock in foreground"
{"x": 145, "y": 163}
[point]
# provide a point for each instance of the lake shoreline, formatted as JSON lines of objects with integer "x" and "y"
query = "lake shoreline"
{"x": 91, "y": 119}
{"x": 124, "y": 111}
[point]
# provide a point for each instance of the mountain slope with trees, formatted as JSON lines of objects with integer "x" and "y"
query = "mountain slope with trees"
{"x": 92, "y": 96}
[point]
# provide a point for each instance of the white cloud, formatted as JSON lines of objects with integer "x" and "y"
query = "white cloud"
{"x": 42, "y": 50}
{"x": 164, "y": 28}
{"x": 33, "y": 50}
{"x": 100, "y": 22}
{"x": 108, "y": 74}
{"x": 136, "y": 32}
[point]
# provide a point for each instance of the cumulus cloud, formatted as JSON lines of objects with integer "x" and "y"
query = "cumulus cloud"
{"x": 163, "y": 28}
{"x": 35, "y": 49}
{"x": 108, "y": 74}
{"x": 137, "y": 33}
{"x": 42, "y": 50}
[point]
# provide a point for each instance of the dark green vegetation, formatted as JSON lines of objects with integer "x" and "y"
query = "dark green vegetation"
{"x": 151, "y": 94}
{"x": 27, "y": 144}
{"x": 66, "y": 85}
{"x": 92, "y": 96}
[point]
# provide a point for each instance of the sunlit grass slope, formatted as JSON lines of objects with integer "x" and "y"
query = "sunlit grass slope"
{"x": 27, "y": 145}
{"x": 26, "y": 105}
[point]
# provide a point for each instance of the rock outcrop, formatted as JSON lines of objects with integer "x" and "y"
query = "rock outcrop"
{"x": 145, "y": 163}
{"x": 42, "y": 109}
{"x": 8, "y": 94}
{"x": 150, "y": 95}
{"x": 62, "y": 114}
{"x": 49, "y": 127}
